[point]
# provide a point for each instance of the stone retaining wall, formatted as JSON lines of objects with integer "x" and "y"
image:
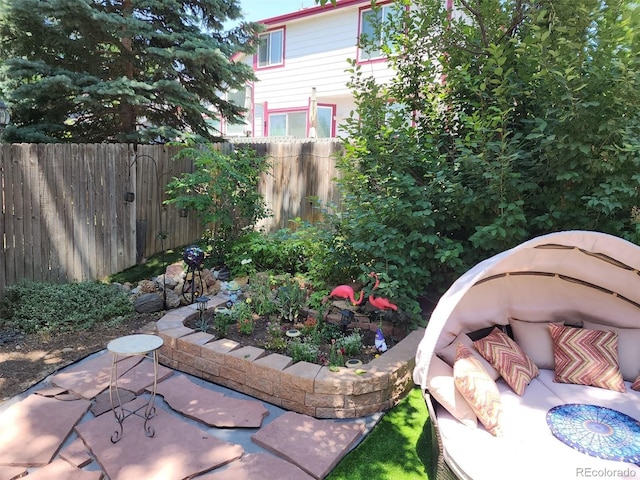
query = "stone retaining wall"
{"x": 302, "y": 387}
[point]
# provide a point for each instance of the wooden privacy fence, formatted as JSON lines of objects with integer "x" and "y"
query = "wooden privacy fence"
{"x": 71, "y": 212}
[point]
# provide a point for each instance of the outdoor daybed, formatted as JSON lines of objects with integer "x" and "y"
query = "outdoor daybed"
{"x": 567, "y": 310}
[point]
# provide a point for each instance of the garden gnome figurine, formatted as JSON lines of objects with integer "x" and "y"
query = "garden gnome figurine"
{"x": 381, "y": 345}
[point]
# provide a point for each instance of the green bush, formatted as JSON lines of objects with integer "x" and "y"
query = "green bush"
{"x": 276, "y": 339}
{"x": 244, "y": 318}
{"x": 301, "y": 351}
{"x": 222, "y": 320}
{"x": 298, "y": 251}
{"x": 290, "y": 298}
{"x": 222, "y": 191}
{"x": 48, "y": 308}
{"x": 260, "y": 291}
{"x": 533, "y": 128}
{"x": 351, "y": 343}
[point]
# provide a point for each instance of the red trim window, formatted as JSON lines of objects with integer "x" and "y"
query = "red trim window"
{"x": 271, "y": 49}
{"x": 369, "y": 23}
{"x": 325, "y": 124}
{"x": 287, "y": 123}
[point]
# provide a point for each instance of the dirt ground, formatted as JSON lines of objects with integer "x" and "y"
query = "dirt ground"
{"x": 27, "y": 359}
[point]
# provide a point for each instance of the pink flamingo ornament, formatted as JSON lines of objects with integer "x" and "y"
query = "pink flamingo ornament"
{"x": 347, "y": 292}
{"x": 380, "y": 303}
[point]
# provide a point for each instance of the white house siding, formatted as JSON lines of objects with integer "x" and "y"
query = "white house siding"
{"x": 316, "y": 51}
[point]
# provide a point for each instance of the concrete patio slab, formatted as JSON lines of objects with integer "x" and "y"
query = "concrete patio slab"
{"x": 211, "y": 408}
{"x": 42, "y": 423}
{"x": 316, "y": 446}
{"x": 258, "y": 466}
{"x": 178, "y": 450}
{"x": 91, "y": 377}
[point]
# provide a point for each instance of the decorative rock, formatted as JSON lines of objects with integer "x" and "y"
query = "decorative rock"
{"x": 147, "y": 286}
{"x": 175, "y": 271}
{"x": 208, "y": 277}
{"x": 148, "y": 303}
{"x": 173, "y": 299}
{"x": 166, "y": 282}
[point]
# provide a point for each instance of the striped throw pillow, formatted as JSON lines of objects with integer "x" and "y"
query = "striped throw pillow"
{"x": 636, "y": 385}
{"x": 586, "y": 357}
{"x": 508, "y": 358}
{"x": 478, "y": 389}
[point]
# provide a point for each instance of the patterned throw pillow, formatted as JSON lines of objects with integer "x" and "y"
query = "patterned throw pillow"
{"x": 448, "y": 354}
{"x": 636, "y": 385}
{"x": 586, "y": 357}
{"x": 479, "y": 389}
{"x": 442, "y": 387}
{"x": 509, "y": 359}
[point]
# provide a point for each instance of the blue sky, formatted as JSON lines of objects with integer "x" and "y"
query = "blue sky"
{"x": 255, "y": 10}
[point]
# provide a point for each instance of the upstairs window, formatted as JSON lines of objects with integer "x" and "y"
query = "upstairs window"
{"x": 371, "y": 22}
{"x": 271, "y": 49}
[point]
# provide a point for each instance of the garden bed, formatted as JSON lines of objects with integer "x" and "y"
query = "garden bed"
{"x": 299, "y": 333}
{"x": 303, "y": 387}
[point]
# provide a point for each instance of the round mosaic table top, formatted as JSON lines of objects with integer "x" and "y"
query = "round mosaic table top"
{"x": 597, "y": 431}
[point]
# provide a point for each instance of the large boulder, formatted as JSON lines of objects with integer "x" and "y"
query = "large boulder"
{"x": 148, "y": 303}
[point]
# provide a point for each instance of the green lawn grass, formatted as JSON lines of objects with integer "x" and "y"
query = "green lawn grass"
{"x": 397, "y": 448}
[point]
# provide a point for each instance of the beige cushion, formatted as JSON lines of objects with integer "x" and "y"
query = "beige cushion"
{"x": 514, "y": 366}
{"x": 628, "y": 348}
{"x": 442, "y": 387}
{"x": 586, "y": 357}
{"x": 479, "y": 389}
{"x": 535, "y": 340}
{"x": 448, "y": 354}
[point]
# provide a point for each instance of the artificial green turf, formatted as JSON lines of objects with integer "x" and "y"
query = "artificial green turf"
{"x": 397, "y": 448}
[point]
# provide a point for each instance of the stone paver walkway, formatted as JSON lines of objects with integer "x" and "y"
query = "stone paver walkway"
{"x": 61, "y": 429}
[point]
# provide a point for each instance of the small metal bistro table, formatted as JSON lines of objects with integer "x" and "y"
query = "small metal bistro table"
{"x": 141, "y": 345}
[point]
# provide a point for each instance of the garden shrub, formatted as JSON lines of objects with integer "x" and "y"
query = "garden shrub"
{"x": 40, "y": 307}
{"x": 503, "y": 122}
{"x": 352, "y": 343}
{"x": 222, "y": 320}
{"x": 223, "y": 191}
{"x": 301, "y": 351}
{"x": 294, "y": 251}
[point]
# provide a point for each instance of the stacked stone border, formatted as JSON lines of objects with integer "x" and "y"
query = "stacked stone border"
{"x": 302, "y": 387}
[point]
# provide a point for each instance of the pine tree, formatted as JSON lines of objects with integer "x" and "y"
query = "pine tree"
{"x": 120, "y": 70}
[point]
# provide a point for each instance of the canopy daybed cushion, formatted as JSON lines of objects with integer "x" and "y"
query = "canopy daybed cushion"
{"x": 570, "y": 301}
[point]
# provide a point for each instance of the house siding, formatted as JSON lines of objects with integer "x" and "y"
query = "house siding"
{"x": 316, "y": 51}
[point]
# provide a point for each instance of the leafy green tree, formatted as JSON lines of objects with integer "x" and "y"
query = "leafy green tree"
{"x": 120, "y": 71}
{"x": 505, "y": 120}
{"x": 223, "y": 191}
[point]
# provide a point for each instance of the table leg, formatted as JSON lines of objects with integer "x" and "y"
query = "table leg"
{"x": 150, "y": 409}
{"x": 118, "y": 410}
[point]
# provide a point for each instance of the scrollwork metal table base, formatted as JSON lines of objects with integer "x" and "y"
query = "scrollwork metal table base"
{"x": 133, "y": 345}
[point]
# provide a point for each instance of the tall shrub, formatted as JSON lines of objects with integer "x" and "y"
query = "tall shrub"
{"x": 505, "y": 120}
{"x": 223, "y": 191}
